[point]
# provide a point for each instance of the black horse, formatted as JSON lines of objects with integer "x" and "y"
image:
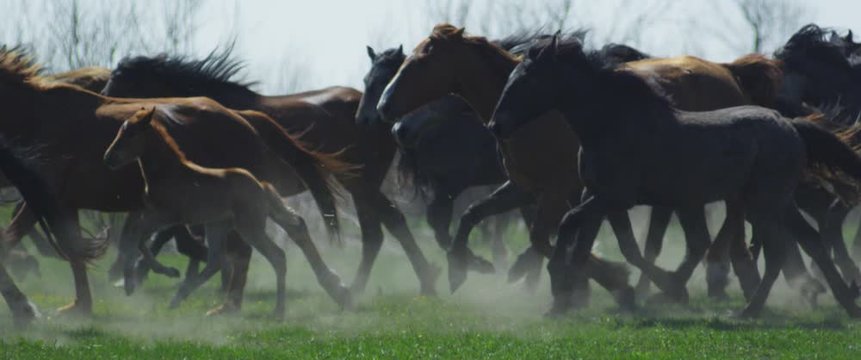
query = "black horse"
{"x": 819, "y": 76}
{"x": 444, "y": 148}
{"x": 638, "y": 149}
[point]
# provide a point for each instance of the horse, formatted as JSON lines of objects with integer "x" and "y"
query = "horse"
{"x": 638, "y": 149}
{"x": 179, "y": 191}
{"x": 71, "y": 127}
{"x": 820, "y": 76}
{"x": 542, "y": 155}
{"x": 323, "y": 117}
{"x": 444, "y": 148}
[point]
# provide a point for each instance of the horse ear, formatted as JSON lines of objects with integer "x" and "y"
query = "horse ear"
{"x": 459, "y": 32}
{"x": 371, "y": 53}
{"x": 401, "y": 49}
{"x": 848, "y": 37}
{"x": 549, "y": 52}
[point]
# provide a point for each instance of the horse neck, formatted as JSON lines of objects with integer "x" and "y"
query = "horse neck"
{"x": 483, "y": 83}
{"x": 160, "y": 160}
{"x": 35, "y": 111}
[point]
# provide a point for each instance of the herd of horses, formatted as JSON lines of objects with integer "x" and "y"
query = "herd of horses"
{"x": 570, "y": 136}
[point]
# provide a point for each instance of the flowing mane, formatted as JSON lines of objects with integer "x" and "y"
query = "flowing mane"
{"x": 811, "y": 41}
{"x": 216, "y": 72}
{"x": 17, "y": 66}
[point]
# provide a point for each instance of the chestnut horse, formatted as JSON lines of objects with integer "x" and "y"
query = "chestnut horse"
{"x": 71, "y": 127}
{"x": 541, "y": 156}
{"x": 179, "y": 191}
{"x": 325, "y": 119}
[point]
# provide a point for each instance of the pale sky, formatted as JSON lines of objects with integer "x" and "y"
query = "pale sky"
{"x": 329, "y": 36}
{"x": 326, "y": 38}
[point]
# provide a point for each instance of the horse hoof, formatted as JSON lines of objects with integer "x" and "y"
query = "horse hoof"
{"x": 76, "y": 308}
{"x": 626, "y": 298}
{"x": 25, "y": 315}
{"x": 525, "y": 262}
{"x": 559, "y": 309}
{"x": 718, "y": 294}
{"x": 643, "y": 287}
{"x": 223, "y": 309}
{"x": 174, "y": 304}
{"x": 344, "y": 298}
{"x": 428, "y": 282}
{"x": 171, "y": 272}
{"x": 456, "y": 270}
{"x": 480, "y": 265}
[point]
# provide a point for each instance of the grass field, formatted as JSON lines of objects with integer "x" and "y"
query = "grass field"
{"x": 487, "y": 318}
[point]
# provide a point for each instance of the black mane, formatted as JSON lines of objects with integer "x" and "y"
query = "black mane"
{"x": 608, "y": 78}
{"x": 215, "y": 71}
{"x": 519, "y": 43}
{"x": 812, "y": 41}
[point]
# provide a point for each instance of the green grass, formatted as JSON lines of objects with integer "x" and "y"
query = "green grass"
{"x": 486, "y": 319}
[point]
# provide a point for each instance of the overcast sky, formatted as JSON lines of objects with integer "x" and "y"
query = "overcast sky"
{"x": 326, "y": 39}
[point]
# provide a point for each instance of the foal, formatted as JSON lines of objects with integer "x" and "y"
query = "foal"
{"x": 178, "y": 191}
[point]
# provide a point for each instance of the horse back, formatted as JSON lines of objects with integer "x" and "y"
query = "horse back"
{"x": 693, "y": 84}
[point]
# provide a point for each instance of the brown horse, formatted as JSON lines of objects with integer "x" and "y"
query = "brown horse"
{"x": 541, "y": 157}
{"x": 324, "y": 117}
{"x": 179, "y": 191}
{"x": 71, "y": 127}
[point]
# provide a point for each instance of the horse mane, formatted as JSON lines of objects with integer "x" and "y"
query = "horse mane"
{"x": 217, "y": 70}
{"x": 620, "y": 53}
{"x": 811, "y": 40}
{"x": 759, "y": 77}
{"x": 17, "y": 66}
{"x": 643, "y": 94}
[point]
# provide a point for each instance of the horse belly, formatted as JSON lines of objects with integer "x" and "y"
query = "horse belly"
{"x": 542, "y": 154}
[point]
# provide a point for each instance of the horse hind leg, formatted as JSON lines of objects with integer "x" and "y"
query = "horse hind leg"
{"x": 439, "y": 214}
{"x": 372, "y": 241}
{"x": 697, "y": 241}
{"x": 297, "y": 230}
{"x": 805, "y": 235}
{"x": 768, "y": 231}
{"x": 832, "y": 233}
{"x": 254, "y": 233}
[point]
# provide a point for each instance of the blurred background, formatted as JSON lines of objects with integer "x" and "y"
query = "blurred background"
{"x": 293, "y": 45}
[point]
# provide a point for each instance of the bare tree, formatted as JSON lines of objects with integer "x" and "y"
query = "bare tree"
{"x": 767, "y": 23}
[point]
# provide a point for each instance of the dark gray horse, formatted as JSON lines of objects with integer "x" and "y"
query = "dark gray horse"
{"x": 638, "y": 149}
{"x": 444, "y": 148}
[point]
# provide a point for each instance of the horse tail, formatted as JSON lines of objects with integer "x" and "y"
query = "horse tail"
{"x": 828, "y": 156}
{"x": 409, "y": 172}
{"x": 312, "y": 167}
{"x": 44, "y": 205}
{"x": 759, "y": 77}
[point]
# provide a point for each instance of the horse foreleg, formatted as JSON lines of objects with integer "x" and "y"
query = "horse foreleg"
{"x": 659, "y": 219}
{"x": 439, "y": 214}
{"x": 697, "y": 240}
{"x": 216, "y": 237}
{"x": 460, "y": 257}
{"x": 552, "y": 205}
{"x": 23, "y": 311}
{"x": 394, "y": 220}
{"x": 568, "y": 266}
{"x": 732, "y": 236}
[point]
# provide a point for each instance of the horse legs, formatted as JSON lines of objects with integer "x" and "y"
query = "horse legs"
{"x": 659, "y": 219}
{"x": 797, "y": 276}
{"x": 832, "y": 236}
{"x": 768, "y": 232}
{"x": 807, "y": 237}
{"x": 395, "y": 222}
{"x": 697, "y": 240}
{"x": 235, "y": 262}
{"x": 731, "y": 238}
{"x": 23, "y": 311}
{"x": 296, "y": 229}
{"x": 569, "y": 271}
{"x": 372, "y": 241}
{"x": 551, "y": 207}
{"x": 439, "y": 215}
{"x": 254, "y": 233}
{"x": 216, "y": 234}
{"x": 460, "y": 258}
{"x": 143, "y": 266}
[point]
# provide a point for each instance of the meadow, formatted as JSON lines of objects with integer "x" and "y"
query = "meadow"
{"x": 486, "y": 319}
